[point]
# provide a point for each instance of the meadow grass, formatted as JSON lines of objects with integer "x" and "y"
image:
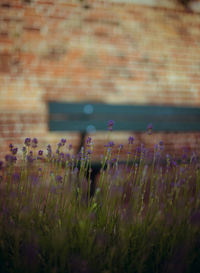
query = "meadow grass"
{"x": 143, "y": 215}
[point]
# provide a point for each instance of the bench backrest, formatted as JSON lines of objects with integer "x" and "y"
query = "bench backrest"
{"x": 88, "y": 117}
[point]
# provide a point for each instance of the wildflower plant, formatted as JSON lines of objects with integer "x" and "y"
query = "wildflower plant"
{"x": 141, "y": 214}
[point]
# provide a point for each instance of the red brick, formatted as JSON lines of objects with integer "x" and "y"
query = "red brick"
{"x": 119, "y": 52}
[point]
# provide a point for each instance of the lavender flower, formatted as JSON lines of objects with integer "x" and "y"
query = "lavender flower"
{"x": 16, "y": 178}
{"x": 67, "y": 156}
{"x": 110, "y": 144}
{"x": 27, "y": 141}
{"x": 114, "y": 160}
{"x": 61, "y": 155}
{"x": 89, "y": 152}
{"x": 11, "y": 147}
{"x": 34, "y": 143}
{"x": 30, "y": 159}
{"x": 14, "y": 151}
{"x": 70, "y": 147}
{"x": 8, "y": 158}
{"x": 88, "y": 140}
{"x": 35, "y": 180}
{"x": 76, "y": 171}
{"x": 131, "y": 139}
{"x": 59, "y": 145}
{"x": 156, "y": 147}
{"x": 120, "y": 146}
{"x": 59, "y": 178}
{"x": 40, "y": 152}
{"x": 110, "y": 125}
{"x": 195, "y": 217}
{"x": 49, "y": 150}
{"x": 1, "y": 165}
{"x": 149, "y": 128}
{"x": 161, "y": 145}
{"x": 63, "y": 141}
{"x": 53, "y": 189}
{"x": 14, "y": 158}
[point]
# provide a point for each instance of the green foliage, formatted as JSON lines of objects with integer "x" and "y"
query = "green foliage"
{"x": 143, "y": 216}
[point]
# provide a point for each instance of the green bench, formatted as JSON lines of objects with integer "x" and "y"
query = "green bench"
{"x": 87, "y": 117}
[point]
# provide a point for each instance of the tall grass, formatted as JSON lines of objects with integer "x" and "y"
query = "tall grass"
{"x": 138, "y": 215}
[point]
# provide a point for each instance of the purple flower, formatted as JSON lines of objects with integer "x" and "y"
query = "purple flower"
{"x": 11, "y": 147}
{"x": 8, "y": 158}
{"x": 88, "y": 140}
{"x": 53, "y": 189}
{"x": 14, "y": 151}
{"x": 61, "y": 155}
{"x": 14, "y": 158}
{"x": 35, "y": 180}
{"x": 75, "y": 171}
{"x": 63, "y": 141}
{"x": 173, "y": 163}
{"x": 48, "y": 147}
{"x": 131, "y": 139}
{"x": 114, "y": 160}
{"x": 138, "y": 149}
{"x": 40, "y": 152}
{"x": 49, "y": 151}
{"x": 195, "y": 217}
{"x": 70, "y": 146}
{"x": 30, "y": 159}
{"x": 89, "y": 152}
{"x": 1, "y": 165}
{"x": 120, "y": 146}
{"x": 110, "y": 144}
{"x": 67, "y": 156}
{"x": 16, "y": 177}
{"x": 27, "y": 141}
{"x": 161, "y": 144}
{"x": 59, "y": 145}
{"x": 59, "y": 178}
{"x": 34, "y": 142}
{"x": 156, "y": 147}
{"x": 149, "y": 128}
{"x": 110, "y": 125}
{"x": 24, "y": 149}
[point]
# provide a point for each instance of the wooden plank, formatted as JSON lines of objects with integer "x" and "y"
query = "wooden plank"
{"x": 62, "y": 107}
{"x": 87, "y": 117}
{"x": 126, "y": 126}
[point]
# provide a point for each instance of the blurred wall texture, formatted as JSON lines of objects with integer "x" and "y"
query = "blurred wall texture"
{"x": 139, "y": 52}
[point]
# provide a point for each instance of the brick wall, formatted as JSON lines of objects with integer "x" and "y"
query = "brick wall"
{"x": 106, "y": 51}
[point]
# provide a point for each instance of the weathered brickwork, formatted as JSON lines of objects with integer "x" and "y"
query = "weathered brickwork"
{"x": 105, "y": 51}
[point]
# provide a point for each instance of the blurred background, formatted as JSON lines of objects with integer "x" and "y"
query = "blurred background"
{"x": 144, "y": 52}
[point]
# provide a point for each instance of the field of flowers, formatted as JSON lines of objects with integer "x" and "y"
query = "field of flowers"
{"x": 138, "y": 215}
